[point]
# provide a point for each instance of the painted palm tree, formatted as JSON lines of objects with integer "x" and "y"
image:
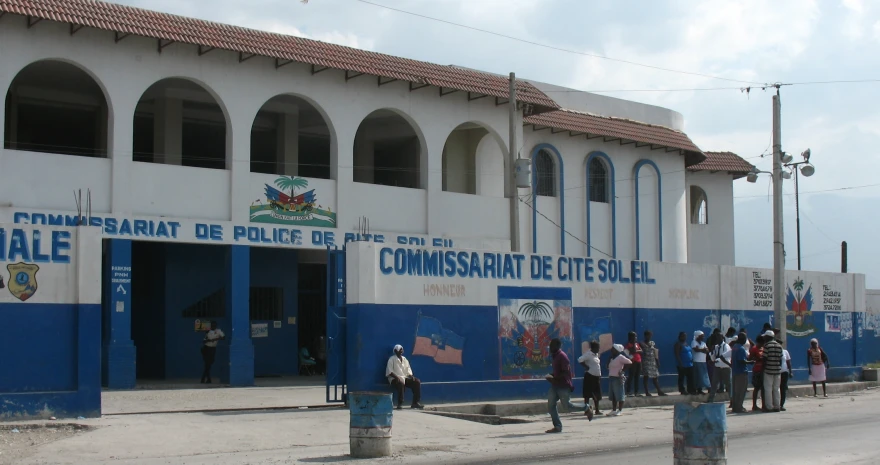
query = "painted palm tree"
{"x": 535, "y": 314}
{"x": 291, "y": 182}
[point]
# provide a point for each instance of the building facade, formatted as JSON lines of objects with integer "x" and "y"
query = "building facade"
{"x": 221, "y": 164}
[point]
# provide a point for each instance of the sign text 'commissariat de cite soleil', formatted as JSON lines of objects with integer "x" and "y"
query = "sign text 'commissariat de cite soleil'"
{"x": 216, "y": 233}
{"x": 513, "y": 266}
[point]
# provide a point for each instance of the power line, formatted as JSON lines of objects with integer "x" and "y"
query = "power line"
{"x": 551, "y": 47}
{"x": 846, "y": 188}
{"x": 520, "y": 198}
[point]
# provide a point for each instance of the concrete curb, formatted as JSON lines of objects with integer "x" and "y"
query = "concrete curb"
{"x": 535, "y": 407}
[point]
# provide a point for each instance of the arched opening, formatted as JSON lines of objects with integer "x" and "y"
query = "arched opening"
{"x": 387, "y": 151}
{"x": 473, "y": 162}
{"x": 545, "y": 174}
{"x": 178, "y": 122}
{"x": 649, "y": 211}
{"x": 599, "y": 182}
{"x": 55, "y": 107}
{"x": 290, "y": 137}
{"x": 699, "y": 206}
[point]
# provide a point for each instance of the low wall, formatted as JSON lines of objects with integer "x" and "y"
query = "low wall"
{"x": 476, "y": 325}
{"x": 50, "y": 322}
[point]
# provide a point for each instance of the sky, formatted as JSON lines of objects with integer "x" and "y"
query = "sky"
{"x": 785, "y": 41}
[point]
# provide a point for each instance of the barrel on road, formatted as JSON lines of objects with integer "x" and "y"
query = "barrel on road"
{"x": 699, "y": 434}
{"x": 370, "y": 425}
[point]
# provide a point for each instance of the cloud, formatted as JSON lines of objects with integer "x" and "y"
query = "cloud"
{"x": 333, "y": 37}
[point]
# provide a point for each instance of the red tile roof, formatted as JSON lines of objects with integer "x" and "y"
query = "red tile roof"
{"x": 624, "y": 130}
{"x": 165, "y": 27}
{"x": 724, "y": 161}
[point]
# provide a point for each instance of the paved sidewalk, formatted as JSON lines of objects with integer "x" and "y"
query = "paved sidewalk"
{"x": 312, "y": 436}
{"x": 310, "y": 392}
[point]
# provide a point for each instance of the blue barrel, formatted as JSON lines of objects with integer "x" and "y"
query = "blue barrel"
{"x": 699, "y": 434}
{"x": 370, "y": 427}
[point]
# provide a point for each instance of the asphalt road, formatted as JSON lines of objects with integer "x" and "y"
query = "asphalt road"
{"x": 845, "y": 433}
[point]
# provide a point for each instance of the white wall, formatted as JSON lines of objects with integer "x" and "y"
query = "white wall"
{"x": 574, "y": 151}
{"x": 72, "y": 275}
{"x": 123, "y": 188}
{"x": 677, "y": 286}
{"x": 712, "y": 243}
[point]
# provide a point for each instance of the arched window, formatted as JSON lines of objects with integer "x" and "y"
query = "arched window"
{"x": 699, "y": 206}
{"x": 545, "y": 174}
{"x": 599, "y": 181}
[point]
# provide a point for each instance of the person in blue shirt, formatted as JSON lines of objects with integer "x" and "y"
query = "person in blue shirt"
{"x": 684, "y": 359}
{"x": 739, "y": 360}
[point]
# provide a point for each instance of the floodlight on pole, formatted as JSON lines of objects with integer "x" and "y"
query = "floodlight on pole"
{"x": 807, "y": 169}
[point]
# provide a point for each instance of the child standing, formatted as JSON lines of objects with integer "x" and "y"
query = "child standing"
{"x": 592, "y": 376}
{"x": 617, "y": 378}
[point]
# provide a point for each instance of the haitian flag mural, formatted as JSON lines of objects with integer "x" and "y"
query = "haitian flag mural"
{"x": 800, "y": 306}
{"x": 525, "y": 329}
{"x": 442, "y": 345}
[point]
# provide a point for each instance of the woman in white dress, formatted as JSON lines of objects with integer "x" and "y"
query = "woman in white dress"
{"x": 817, "y": 362}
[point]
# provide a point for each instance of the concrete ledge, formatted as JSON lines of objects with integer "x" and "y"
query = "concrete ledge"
{"x": 539, "y": 407}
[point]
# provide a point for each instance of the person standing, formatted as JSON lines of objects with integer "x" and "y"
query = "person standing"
{"x": 721, "y": 360}
{"x": 561, "y": 386}
{"x": 651, "y": 364}
{"x": 592, "y": 377}
{"x": 616, "y": 377}
{"x": 749, "y": 343}
{"x": 634, "y": 351}
{"x": 786, "y": 371}
{"x": 684, "y": 359}
{"x": 701, "y": 372}
{"x": 400, "y": 376}
{"x": 772, "y": 371}
{"x": 209, "y": 350}
{"x": 731, "y": 337}
{"x": 756, "y": 356}
{"x": 739, "y": 367}
{"x": 817, "y": 363}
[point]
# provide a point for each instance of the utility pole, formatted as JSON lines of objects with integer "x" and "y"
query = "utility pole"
{"x": 843, "y": 252}
{"x": 797, "y": 210}
{"x": 511, "y": 170}
{"x": 778, "y": 244}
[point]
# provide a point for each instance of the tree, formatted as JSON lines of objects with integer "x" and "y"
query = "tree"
{"x": 291, "y": 182}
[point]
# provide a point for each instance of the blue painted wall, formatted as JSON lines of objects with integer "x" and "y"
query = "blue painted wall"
{"x": 60, "y": 375}
{"x": 167, "y": 278}
{"x": 277, "y": 354}
{"x": 192, "y": 272}
{"x": 372, "y": 331}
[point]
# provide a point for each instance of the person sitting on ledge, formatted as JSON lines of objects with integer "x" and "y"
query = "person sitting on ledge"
{"x": 400, "y": 375}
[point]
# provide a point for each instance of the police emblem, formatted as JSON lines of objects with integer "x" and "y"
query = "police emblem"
{"x": 22, "y": 280}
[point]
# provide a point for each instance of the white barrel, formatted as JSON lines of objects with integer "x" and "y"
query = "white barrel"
{"x": 370, "y": 425}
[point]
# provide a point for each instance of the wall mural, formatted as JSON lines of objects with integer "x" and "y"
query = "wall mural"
{"x": 282, "y": 205}
{"x": 599, "y": 330}
{"x": 737, "y": 319}
{"x": 799, "y": 305}
{"x": 442, "y": 345}
{"x": 525, "y": 328}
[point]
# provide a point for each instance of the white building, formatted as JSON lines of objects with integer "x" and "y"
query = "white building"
{"x": 182, "y": 131}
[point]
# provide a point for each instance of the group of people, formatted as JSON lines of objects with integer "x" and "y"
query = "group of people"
{"x": 719, "y": 365}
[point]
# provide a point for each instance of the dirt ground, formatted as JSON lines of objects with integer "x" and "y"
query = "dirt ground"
{"x": 20, "y": 441}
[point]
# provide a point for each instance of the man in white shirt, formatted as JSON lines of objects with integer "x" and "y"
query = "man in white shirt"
{"x": 209, "y": 350}
{"x": 721, "y": 372}
{"x": 400, "y": 375}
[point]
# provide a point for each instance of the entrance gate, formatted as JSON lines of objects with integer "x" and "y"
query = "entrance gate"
{"x": 336, "y": 319}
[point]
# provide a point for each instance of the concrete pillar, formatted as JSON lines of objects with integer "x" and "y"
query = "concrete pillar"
{"x": 119, "y": 363}
{"x": 168, "y": 131}
{"x": 12, "y": 135}
{"x": 241, "y": 349}
{"x": 288, "y": 143}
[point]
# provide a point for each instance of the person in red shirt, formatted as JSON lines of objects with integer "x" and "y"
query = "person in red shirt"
{"x": 634, "y": 351}
{"x": 756, "y": 354}
{"x": 561, "y": 386}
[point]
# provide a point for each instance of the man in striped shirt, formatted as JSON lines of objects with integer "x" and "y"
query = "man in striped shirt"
{"x": 772, "y": 371}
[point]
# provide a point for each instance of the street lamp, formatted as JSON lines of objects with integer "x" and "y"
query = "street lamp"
{"x": 807, "y": 169}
